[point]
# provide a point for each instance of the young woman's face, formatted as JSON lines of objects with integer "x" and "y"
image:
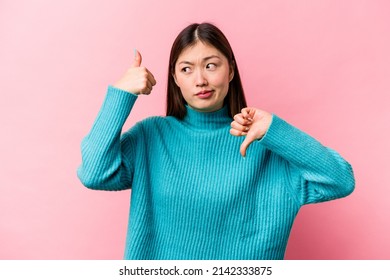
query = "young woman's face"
{"x": 203, "y": 74}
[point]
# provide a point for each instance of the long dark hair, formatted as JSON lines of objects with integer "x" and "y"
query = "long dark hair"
{"x": 208, "y": 34}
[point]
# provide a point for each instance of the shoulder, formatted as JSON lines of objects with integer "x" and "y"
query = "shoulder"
{"x": 143, "y": 129}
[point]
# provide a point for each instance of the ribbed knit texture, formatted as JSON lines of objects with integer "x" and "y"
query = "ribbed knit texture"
{"x": 193, "y": 195}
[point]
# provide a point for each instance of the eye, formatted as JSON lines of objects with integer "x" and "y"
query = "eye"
{"x": 211, "y": 66}
{"x": 186, "y": 69}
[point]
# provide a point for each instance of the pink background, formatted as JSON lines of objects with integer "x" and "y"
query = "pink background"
{"x": 322, "y": 65}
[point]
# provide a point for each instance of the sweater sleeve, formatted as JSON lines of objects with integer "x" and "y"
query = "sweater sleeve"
{"x": 104, "y": 165}
{"x": 317, "y": 173}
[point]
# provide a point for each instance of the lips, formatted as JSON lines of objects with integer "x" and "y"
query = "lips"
{"x": 204, "y": 94}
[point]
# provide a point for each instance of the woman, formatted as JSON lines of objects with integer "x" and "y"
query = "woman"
{"x": 199, "y": 189}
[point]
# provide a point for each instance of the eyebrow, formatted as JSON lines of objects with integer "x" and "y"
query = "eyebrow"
{"x": 204, "y": 59}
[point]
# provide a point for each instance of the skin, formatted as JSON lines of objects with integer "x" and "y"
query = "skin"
{"x": 252, "y": 123}
{"x": 201, "y": 68}
{"x": 137, "y": 79}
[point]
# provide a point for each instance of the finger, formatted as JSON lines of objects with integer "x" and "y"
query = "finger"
{"x": 248, "y": 113}
{"x": 151, "y": 78}
{"x": 236, "y": 132}
{"x": 239, "y": 127}
{"x": 241, "y": 120}
{"x": 137, "y": 59}
{"x": 148, "y": 87}
{"x": 145, "y": 80}
{"x": 245, "y": 145}
{"x": 148, "y": 75}
{"x": 244, "y": 112}
{"x": 146, "y": 91}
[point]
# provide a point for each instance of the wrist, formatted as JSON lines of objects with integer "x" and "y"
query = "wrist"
{"x": 118, "y": 86}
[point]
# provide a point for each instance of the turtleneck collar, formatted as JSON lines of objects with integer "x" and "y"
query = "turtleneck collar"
{"x": 212, "y": 120}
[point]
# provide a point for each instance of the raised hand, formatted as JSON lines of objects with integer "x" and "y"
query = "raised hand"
{"x": 251, "y": 123}
{"x": 137, "y": 79}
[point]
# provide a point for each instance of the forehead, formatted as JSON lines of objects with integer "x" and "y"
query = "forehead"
{"x": 199, "y": 51}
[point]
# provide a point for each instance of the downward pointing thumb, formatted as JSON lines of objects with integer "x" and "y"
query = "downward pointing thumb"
{"x": 137, "y": 59}
{"x": 245, "y": 145}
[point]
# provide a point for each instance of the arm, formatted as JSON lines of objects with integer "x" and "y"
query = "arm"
{"x": 317, "y": 172}
{"x": 105, "y": 166}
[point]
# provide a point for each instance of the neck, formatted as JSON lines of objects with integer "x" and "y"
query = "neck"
{"x": 209, "y": 120}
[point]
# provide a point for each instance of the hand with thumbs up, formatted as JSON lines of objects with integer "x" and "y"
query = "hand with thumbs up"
{"x": 137, "y": 79}
{"x": 251, "y": 123}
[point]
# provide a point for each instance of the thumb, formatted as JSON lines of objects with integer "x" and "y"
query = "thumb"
{"x": 245, "y": 145}
{"x": 137, "y": 59}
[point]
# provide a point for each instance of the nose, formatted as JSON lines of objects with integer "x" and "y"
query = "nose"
{"x": 200, "y": 79}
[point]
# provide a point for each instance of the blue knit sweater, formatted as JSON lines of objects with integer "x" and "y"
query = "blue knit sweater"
{"x": 193, "y": 196}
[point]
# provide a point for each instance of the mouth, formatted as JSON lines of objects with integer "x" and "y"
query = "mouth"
{"x": 204, "y": 94}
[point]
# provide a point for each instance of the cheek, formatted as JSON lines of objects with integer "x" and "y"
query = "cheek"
{"x": 222, "y": 82}
{"x": 221, "y": 77}
{"x": 182, "y": 84}
{"x": 180, "y": 80}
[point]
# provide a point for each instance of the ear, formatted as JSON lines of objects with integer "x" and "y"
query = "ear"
{"x": 231, "y": 74}
{"x": 174, "y": 77}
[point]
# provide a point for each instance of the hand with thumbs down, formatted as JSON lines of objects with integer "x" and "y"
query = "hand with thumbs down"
{"x": 252, "y": 123}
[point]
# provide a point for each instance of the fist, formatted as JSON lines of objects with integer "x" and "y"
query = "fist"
{"x": 137, "y": 79}
{"x": 251, "y": 123}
